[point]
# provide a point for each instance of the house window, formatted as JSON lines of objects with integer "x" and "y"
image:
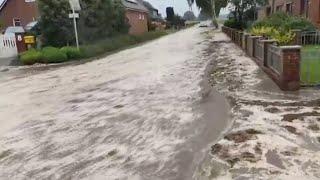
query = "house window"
{"x": 279, "y": 8}
{"x": 289, "y": 8}
{"x": 268, "y": 11}
{"x": 16, "y": 22}
{"x": 140, "y": 16}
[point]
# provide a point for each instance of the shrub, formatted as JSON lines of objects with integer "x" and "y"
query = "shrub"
{"x": 284, "y": 21}
{"x": 53, "y": 55}
{"x": 31, "y": 57}
{"x": 262, "y": 31}
{"x": 72, "y": 52}
{"x": 233, "y": 23}
{"x": 283, "y": 37}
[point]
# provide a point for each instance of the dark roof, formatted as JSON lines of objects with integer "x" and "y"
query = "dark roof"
{"x": 134, "y": 5}
{"x": 3, "y": 3}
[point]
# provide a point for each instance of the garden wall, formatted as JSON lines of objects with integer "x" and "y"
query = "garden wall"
{"x": 281, "y": 63}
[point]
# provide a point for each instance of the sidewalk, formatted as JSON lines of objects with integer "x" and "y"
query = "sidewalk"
{"x": 274, "y": 135}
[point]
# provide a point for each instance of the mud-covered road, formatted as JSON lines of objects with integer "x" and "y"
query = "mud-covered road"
{"x": 143, "y": 113}
{"x": 274, "y": 134}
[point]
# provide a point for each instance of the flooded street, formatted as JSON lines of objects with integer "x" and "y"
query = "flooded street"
{"x": 273, "y": 134}
{"x": 143, "y": 113}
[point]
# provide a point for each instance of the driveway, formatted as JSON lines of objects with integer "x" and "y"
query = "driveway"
{"x": 143, "y": 113}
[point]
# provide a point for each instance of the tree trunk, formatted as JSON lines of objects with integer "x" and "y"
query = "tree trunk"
{"x": 214, "y": 16}
{"x": 272, "y": 6}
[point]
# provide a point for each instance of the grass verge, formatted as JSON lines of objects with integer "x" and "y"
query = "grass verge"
{"x": 310, "y": 65}
{"x": 54, "y": 55}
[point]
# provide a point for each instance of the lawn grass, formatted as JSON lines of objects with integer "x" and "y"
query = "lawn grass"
{"x": 310, "y": 65}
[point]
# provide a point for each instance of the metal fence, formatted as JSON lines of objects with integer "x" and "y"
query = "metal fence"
{"x": 310, "y": 66}
{"x": 274, "y": 59}
{"x": 310, "y": 38}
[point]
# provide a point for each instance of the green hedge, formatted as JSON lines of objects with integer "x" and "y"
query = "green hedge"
{"x": 72, "y": 52}
{"x": 233, "y": 23}
{"x": 55, "y": 55}
{"x": 31, "y": 57}
{"x": 284, "y": 21}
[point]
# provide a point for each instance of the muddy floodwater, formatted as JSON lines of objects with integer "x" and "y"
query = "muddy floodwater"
{"x": 143, "y": 113}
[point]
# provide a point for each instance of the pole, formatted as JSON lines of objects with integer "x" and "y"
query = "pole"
{"x": 75, "y": 27}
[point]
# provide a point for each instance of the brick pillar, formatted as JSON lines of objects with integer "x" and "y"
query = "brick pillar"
{"x": 266, "y": 44}
{"x": 21, "y": 46}
{"x": 240, "y": 36}
{"x": 297, "y": 39}
{"x": 291, "y": 56}
{"x": 252, "y": 44}
{"x": 245, "y": 42}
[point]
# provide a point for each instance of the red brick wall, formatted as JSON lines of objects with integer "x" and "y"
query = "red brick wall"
{"x": 26, "y": 12}
{"x": 138, "y": 22}
{"x": 314, "y": 12}
{"x": 297, "y": 9}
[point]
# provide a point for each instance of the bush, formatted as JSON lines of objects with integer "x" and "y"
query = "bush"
{"x": 262, "y": 31}
{"x": 72, "y": 52}
{"x": 283, "y": 37}
{"x": 119, "y": 42}
{"x": 233, "y": 23}
{"x": 53, "y": 55}
{"x": 31, "y": 57}
{"x": 284, "y": 21}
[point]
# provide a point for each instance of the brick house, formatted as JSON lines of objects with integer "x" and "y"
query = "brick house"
{"x": 22, "y": 12}
{"x": 18, "y": 12}
{"x": 137, "y": 15}
{"x": 306, "y": 8}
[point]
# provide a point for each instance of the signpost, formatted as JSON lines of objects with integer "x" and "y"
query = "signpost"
{"x": 75, "y": 6}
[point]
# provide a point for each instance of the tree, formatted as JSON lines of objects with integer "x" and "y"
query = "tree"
{"x": 170, "y": 13}
{"x": 203, "y": 16}
{"x": 189, "y": 16}
{"x": 56, "y": 27}
{"x": 212, "y": 7}
{"x": 242, "y": 9}
{"x": 100, "y": 19}
{"x": 190, "y": 3}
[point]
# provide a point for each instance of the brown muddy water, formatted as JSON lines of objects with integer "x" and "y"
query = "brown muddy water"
{"x": 143, "y": 113}
{"x": 274, "y": 134}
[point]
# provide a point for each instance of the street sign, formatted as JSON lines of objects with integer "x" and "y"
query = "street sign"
{"x": 74, "y": 15}
{"x": 75, "y": 5}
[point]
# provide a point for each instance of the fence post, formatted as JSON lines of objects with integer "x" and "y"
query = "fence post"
{"x": 297, "y": 39}
{"x": 245, "y": 42}
{"x": 240, "y": 36}
{"x": 266, "y": 44}
{"x": 252, "y": 44}
{"x": 291, "y": 57}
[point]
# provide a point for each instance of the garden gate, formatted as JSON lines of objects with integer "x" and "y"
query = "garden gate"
{"x": 8, "y": 46}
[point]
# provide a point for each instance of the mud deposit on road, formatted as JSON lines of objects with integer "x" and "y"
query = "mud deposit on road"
{"x": 140, "y": 114}
{"x": 274, "y": 135}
